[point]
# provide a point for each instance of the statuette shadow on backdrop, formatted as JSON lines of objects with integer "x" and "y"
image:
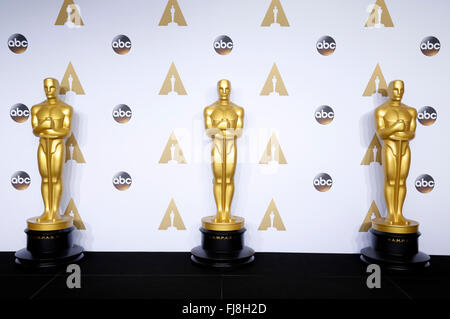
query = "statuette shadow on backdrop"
{"x": 222, "y": 234}
{"x": 394, "y": 239}
{"x": 50, "y": 235}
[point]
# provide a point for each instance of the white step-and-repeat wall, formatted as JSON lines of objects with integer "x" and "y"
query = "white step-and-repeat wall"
{"x": 309, "y": 74}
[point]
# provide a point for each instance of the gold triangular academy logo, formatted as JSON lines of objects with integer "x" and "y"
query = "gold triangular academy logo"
{"x": 273, "y": 152}
{"x": 275, "y": 15}
{"x": 172, "y": 83}
{"x": 172, "y": 15}
{"x": 70, "y": 82}
{"x": 377, "y": 83}
{"x": 172, "y": 218}
{"x": 373, "y": 153}
{"x": 272, "y": 218}
{"x": 378, "y": 15}
{"x": 72, "y": 210}
{"x": 73, "y": 151}
{"x": 172, "y": 152}
{"x": 367, "y": 223}
{"x": 274, "y": 84}
{"x": 69, "y": 15}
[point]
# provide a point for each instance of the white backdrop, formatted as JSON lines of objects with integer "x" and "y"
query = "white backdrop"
{"x": 314, "y": 221}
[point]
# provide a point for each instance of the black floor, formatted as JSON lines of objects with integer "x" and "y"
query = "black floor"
{"x": 172, "y": 276}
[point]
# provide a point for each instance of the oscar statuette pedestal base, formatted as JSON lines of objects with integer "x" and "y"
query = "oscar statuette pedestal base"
{"x": 50, "y": 248}
{"x": 395, "y": 251}
{"x": 222, "y": 249}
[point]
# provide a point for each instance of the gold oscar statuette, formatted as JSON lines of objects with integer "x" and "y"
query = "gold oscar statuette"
{"x": 394, "y": 239}
{"x": 222, "y": 244}
{"x": 51, "y": 121}
{"x": 396, "y": 126}
{"x": 50, "y": 239}
{"x": 223, "y": 122}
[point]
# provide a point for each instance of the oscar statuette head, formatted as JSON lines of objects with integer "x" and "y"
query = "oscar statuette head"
{"x": 51, "y": 87}
{"x": 224, "y": 88}
{"x": 396, "y": 89}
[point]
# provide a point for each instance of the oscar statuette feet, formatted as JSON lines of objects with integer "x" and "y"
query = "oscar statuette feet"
{"x": 397, "y": 221}
{"x": 44, "y": 223}
{"x": 405, "y": 226}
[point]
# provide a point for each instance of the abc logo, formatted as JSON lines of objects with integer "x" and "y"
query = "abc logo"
{"x": 326, "y": 45}
{"x": 121, "y": 44}
{"x": 430, "y": 46}
{"x": 121, "y": 113}
{"x": 122, "y": 181}
{"x": 19, "y": 112}
{"x": 20, "y": 180}
{"x": 223, "y": 45}
{"x": 17, "y": 43}
{"x": 324, "y": 114}
{"x": 424, "y": 183}
{"x": 427, "y": 115}
{"x": 323, "y": 182}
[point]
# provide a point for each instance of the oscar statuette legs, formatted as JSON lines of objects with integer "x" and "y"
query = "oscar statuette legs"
{"x": 49, "y": 249}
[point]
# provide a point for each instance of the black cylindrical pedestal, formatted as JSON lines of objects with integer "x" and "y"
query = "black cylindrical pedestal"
{"x": 50, "y": 248}
{"x": 222, "y": 249}
{"x": 395, "y": 251}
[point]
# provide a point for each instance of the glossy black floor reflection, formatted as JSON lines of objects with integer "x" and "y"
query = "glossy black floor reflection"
{"x": 133, "y": 275}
